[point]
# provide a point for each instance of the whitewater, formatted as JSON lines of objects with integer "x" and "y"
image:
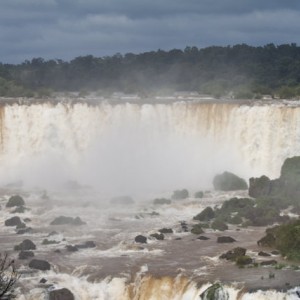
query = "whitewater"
{"x": 81, "y": 153}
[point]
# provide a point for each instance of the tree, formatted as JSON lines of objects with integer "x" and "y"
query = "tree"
{"x": 8, "y": 276}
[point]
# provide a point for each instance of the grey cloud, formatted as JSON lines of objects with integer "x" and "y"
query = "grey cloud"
{"x": 68, "y": 28}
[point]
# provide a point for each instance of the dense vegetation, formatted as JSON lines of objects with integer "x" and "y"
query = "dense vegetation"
{"x": 239, "y": 71}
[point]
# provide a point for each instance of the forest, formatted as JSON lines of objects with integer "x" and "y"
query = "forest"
{"x": 239, "y": 71}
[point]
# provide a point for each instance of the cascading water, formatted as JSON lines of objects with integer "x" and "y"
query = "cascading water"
{"x": 154, "y": 146}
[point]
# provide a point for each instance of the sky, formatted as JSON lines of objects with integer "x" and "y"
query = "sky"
{"x": 65, "y": 29}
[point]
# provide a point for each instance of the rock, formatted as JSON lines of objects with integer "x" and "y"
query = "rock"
{"x": 43, "y": 280}
{"x": 49, "y": 242}
{"x": 21, "y": 226}
{"x": 39, "y": 264}
{"x": 215, "y": 292}
{"x": 141, "y": 239}
{"x": 15, "y": 201}
{"x": 178, "y": 239}
{"x": 262, "y": 253}
{"x": 225, "y": 239}
{"x": 180, "y": 194}
{"x": 88, "y": 244}
{"x": 161, "y": 201}
{"x": 24, "y": 230}
{"x": 71, "y": 248}
{"x": 197, "y": 229}
{"x": 259, "y": 187}
{"x": 158, "y": 236}
{"x": 166, "y": 230}
{"x": 25, "y": 245}
{"x": 219, "y": 225}
{"x": 62, "y": 220}
{"x": 19, "y": 210}
{"x": 268, "y": 262}
{"x": 57, "y": 251}
{"x": 61, "y": 294}
{"x": 229, "y": 182}
{"x": 14, "y": 221}
{"x": 205, "y": 215}
{"x": 244, "y": 260}
{"x": 25, "y": 254}
{"x": 234, "y": 253}
{"x": 199, "y": 194}
{"x": 275, "y": 252}
{"x": 203, "y": 238}
{"x": 27, "y": 220}
{"x": 267, "y": 241}
{"x": 122, "y": 200}
{"x": 52, "y": 233}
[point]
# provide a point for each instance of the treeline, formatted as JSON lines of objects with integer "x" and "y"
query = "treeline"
{"x": 240, "y": 71}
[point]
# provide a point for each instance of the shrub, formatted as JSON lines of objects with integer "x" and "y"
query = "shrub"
{"x": 8, "y": 276}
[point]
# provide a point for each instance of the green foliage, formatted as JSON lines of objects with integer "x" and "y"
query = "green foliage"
{"x": 247, "y": 71}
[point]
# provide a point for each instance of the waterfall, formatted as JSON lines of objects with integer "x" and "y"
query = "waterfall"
{"x": 144, "y": 146}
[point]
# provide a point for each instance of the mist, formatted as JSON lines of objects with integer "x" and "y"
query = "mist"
{"x": 115, "y": 149}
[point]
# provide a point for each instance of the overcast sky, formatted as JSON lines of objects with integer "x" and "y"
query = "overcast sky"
{"x": 65, "y": 29}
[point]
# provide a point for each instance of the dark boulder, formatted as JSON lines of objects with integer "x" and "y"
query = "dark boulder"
{"x": 229, "y": 182}
{"x": 25, "y": 254}
{"x": 49, "y": 242}
{"x": 161, "y": 201}
{"x": 197, "y": 229}
{"x": 215, "y": 292}
{"x": 19, "y": 210}
{"x": 21, "y": 226}
{"x": 25, "y": 245}
{"x": 180, "y": 194}
{"x": 39, "y": 264}
{"x": 88, "y": 244}
{"x": 267, "y": 241}
{"x": 234, "y": 253}
{"x": 62, "y": 220}
{"x": 219, "y": 225}
{"x": 199, "y": 194}
{"x": 203, "y": 238}
{"x": 259, "y": 187}
{"x": 268, "y": 262}
{"x": 166, "y": 230}
{"x": 61, "y": 294}
{"x": 24, "y": 230}
{"x": 158, "y": 236}
{"x": 244, "y": 260}
{"x": 43, "y": 280}
{"x": 15, "y": 201}
{"x": 205, "y": 215}
{"x": 71, "y": 248}
{"x": 140, "y": 239}
{"x": 262, "y": 253}
{"x": 225, "y": 239}
{"x": 14, "y": 221}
